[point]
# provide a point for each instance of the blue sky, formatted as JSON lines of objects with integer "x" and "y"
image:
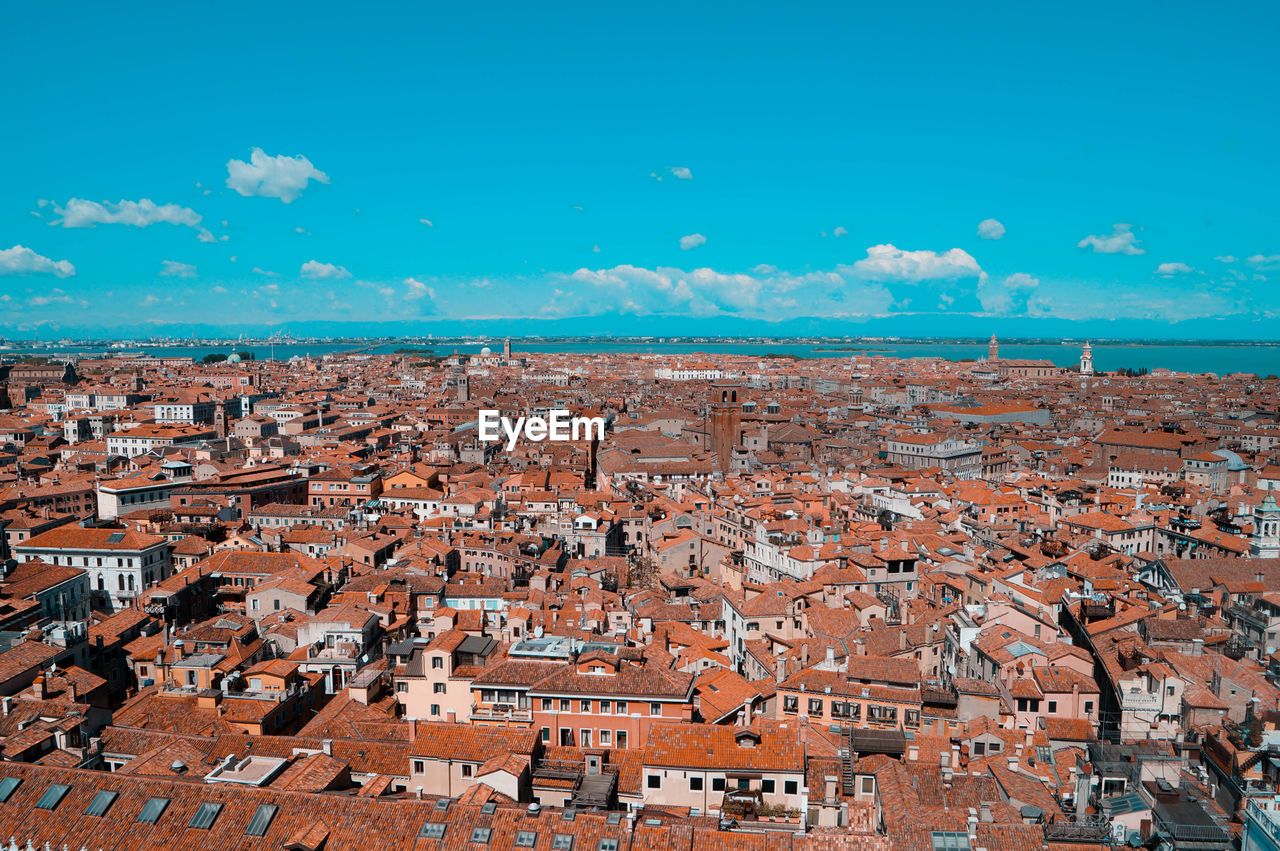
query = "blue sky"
{"x": 628, "y": 168}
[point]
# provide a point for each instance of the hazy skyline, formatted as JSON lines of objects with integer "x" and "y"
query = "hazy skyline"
{"x": 918, "y": 170}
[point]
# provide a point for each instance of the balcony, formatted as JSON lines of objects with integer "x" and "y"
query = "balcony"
{"x": 506, "y": 712}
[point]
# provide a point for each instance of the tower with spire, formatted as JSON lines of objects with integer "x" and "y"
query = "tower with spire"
{"x": 993, "y": 349}
{"x": 1086, "y": 360}
{"x": 1266, "y": 529}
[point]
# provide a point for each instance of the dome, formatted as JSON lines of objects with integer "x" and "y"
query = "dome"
{"x": 233, "y": 358}
{"x": 486, "y": 351}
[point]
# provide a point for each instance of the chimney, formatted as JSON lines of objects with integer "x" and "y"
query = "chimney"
{"x": 781, "y": 669}
{"x": 6, "y": 705}
{"x": 746, "y": 712}
{"x": 902, "y": 640}
{"x": 1013, "y": 764}
{"x": 828, "y": 788}
{"x": 326, "y": 745}
{"x": 984, "y": 813}
{"x": 831, "y": 659}
{"x": 804, "y": 655}
{"x": 37, "y": 687}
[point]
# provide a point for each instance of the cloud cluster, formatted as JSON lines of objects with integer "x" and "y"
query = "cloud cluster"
{"x": 79, "y": 213}
{"x": 889, "y": 263}
{"x": 1168, "y": 270}
{"x": 21, "y": 260}
{"x": 174, "y": 269}
{"x": 990, "y": 229}
{"x": 1121, "y": 240}
{"x": 282, "y": 177}
{"x": 693, "y": 240}
{"x": 1008, "y": 296}
{"x": 317, "y": 271}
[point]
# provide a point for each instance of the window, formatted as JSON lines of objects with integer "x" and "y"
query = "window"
{"x": 695, "y": 784}
{"x": 605, "y": 707}
{"x": 790, "y": 703}
{"x": 1053, "y": 706}
{"x": 261, "y": 820}
{"x": 434, "y": 830}
{"x": 467, "y": 768}
{"x": 622, "y": 738}
{"x": 566, "y": 705}
{"x": 585, "y": 741}
{"x": 868, "y": 785}
{"x": 546, "y": 704}
{"x": 654, "y": 781}
{"x": 526, "y": 838}
{"x": 481, "y": 835}
{"x": 562, "y": 842}
{"x": 979, "y": 749}
{"x": 584, "y": 706}
{"x": 419, "y": 766}
{"x": 1169, "y": 691}
{"x": 815, "y": 706}
{"x": 717, "y": 784}
{"x": 402, "y": 686}
{"x": 100, "y": 804}
{"x": 607, "y": 844}
{"x": 767, "y": 786}
{"x": 1088, "y": 707}
{"x": 605, "y": 737}
{"x": 546, "y": 734}
{"x": 438, "y": 688}
{"x": 152, "y": 810}
{"x": 52, "y": 796}
{"x": 437, "y": 662}
{"x": 655, "y": 708}
{"x": 205, "y": 815}
{"x": 789, "y": 787}
{"x": 622, "y": 707}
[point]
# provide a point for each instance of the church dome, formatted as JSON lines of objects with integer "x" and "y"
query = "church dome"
{"x": 486, "y": 351}
{"x": 233, "y": 358}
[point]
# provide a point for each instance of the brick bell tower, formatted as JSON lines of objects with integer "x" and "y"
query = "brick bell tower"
{"x": 725, "y": 427}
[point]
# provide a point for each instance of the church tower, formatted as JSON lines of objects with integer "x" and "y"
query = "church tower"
{"x": 1086, "y": 360}
{"x": 726, "y": 423}
{"x": 1266, "y": 529}
{"x": 993, "y": 349}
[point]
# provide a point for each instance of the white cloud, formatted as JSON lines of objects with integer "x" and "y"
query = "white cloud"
{"x": 53, "y": 296}
{"x": 1168, "y": 270}
{"x": 840, "y": 231}
{"x": 174, "y": 269}
{"x": 682, "y": 173}
{"x": 1121, "y": 240}
{"x": 21, "y": 260}
{"x": 990, "y": 229}
{"x": 257, "y": 270}
{"x": 1010, "y": 295}
{"x": 704, "y": 291}
{"x": 1264, "y": 261}
{"x": 888, "y": 263}
{"x": 416, "y": 290}
{"x": 426, "y": 222}
{"x": 1226, "y": 258}
{"x": 150, "y": 301}
{"x": 282, "y": 177}
{"x": 79, "y": 213}
{"x": 693, "y": 240}
{"x": 316, "y": 271}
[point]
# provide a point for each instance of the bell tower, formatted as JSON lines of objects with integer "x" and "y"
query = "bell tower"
{"x": 726, "y": 423}
{"x": 1266, "y": 529}
{"x": 1086, "y": 360}
{"x": 993, "y": 349}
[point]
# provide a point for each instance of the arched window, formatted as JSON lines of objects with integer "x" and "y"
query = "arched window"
{"x": 120, "y": 582}
{"x": 102, "y": 582}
